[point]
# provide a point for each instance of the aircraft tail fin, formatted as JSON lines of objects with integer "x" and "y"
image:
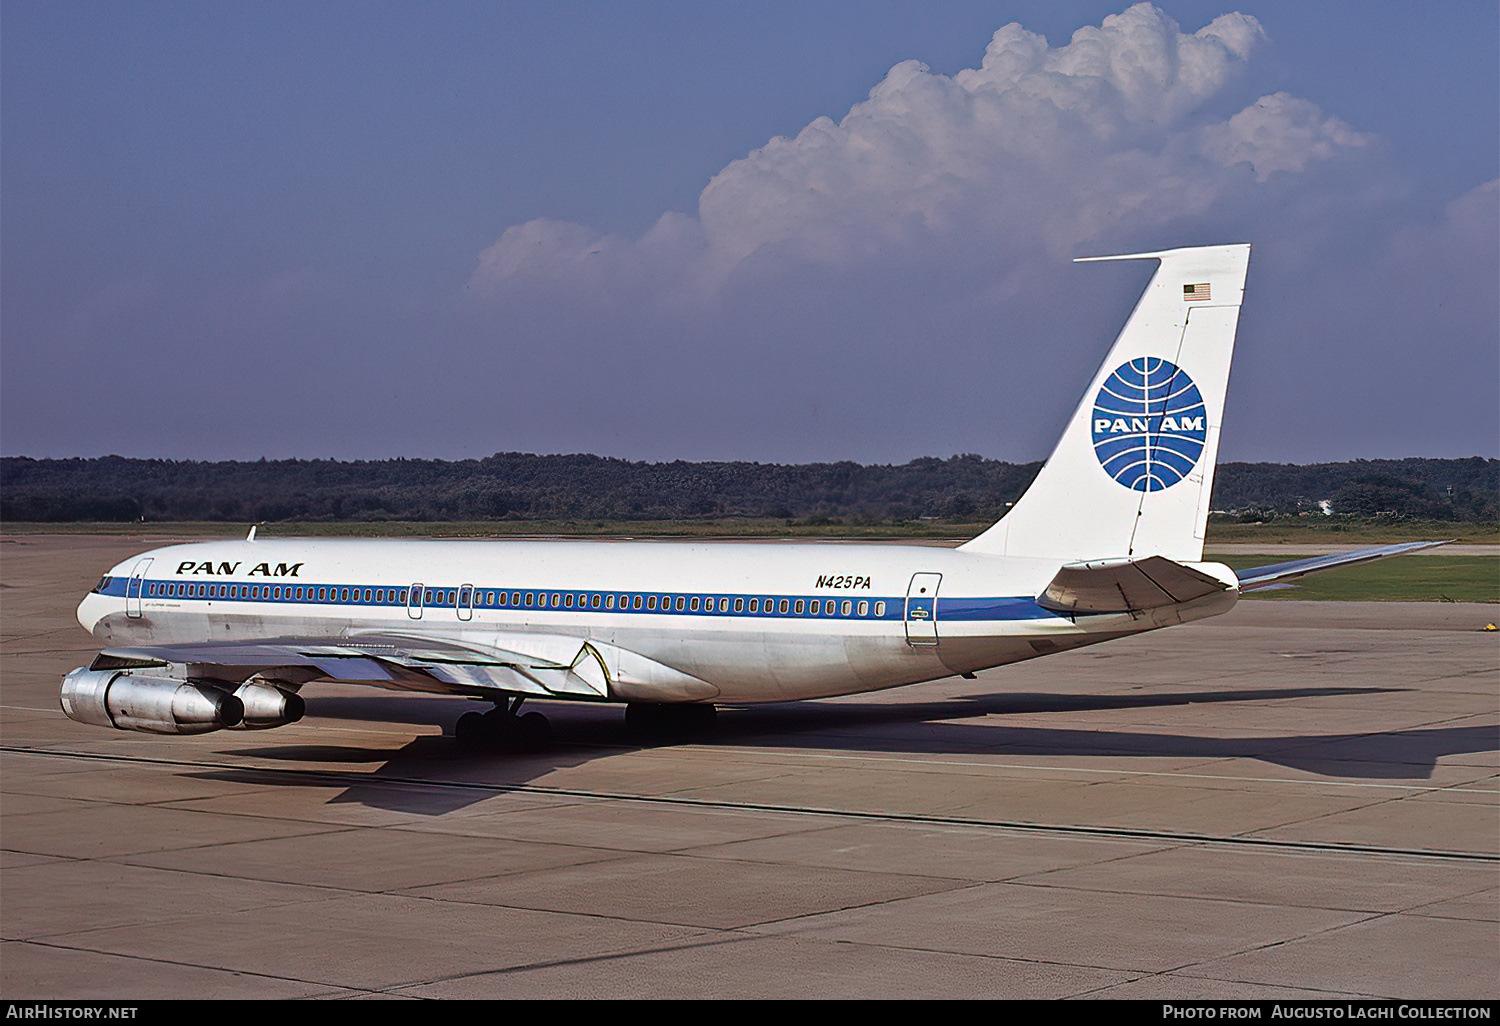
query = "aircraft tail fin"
{"x": 1134, "y": 469}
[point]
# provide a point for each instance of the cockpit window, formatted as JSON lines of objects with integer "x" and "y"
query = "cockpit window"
{"x": 103, "y": 584}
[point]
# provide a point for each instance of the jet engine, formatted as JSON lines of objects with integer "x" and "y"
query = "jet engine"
{"x": 155, "y": 705}
{"x": 267, "y": 706}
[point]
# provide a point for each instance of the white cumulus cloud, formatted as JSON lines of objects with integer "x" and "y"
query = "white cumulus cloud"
{"x": 1279, "y": 133}
{"x": 1039, "y": 149}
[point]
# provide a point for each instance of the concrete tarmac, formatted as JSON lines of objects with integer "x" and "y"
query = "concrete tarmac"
{"x": 1294, "y": 800}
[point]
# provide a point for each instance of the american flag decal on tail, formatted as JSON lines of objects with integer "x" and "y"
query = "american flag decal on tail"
{"x": 1195, "y": 293}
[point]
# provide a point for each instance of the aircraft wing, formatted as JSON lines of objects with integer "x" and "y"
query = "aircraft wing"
{"x": 545, "y": 665}
{"x": 1261, "y": 576}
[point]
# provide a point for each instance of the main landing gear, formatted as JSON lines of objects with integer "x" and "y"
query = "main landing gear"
{"x": 652, "y": 721}
{"x": 503, "y": 727}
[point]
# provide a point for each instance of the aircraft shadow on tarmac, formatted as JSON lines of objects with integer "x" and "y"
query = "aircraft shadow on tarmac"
{"x": 432, "y": 775}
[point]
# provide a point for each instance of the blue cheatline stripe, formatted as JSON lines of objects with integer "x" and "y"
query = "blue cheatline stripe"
{"x": 717, "y": 604}
{"x": 1019, "y": 608}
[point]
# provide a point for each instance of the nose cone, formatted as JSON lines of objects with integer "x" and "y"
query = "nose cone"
{"x": 93, "y": 609}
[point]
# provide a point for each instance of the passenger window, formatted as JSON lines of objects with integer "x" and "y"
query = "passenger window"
{"x": 723, "y": 605}
{"x": 344, "y": 595}
{"x": 609, "y": 602}
{"x": 829, "y": 606}
{"x": 594, "y": 601}
{"x": 528, "y": 600}
{"x": 694, "y": 604}
{"x": 401, "y": 596}
{"x": 880, "y": 609}
{"x": 651, "y": 602}
{"x": 846, "y": 608}
{"x": 864, "y": 608}
{"x": 755, "y": 605}
{"x": 800, "y": 606}
{"x": 635, "y": 603}
{"x": 679, "y": 603}
{"x": 739, "y": 605}
{"x": 783, "y": 607}
{"x": 554, "y": 600}
{"x": 568, "y": 601}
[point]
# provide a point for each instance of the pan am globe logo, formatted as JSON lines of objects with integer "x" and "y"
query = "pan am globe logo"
{"x": 1149, "y": 424}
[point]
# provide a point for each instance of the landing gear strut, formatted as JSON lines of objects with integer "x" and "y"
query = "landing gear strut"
{"x": 652, "y": 721}
{"x": 503, "y": 727}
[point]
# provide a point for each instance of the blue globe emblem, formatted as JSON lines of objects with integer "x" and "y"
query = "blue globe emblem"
{"x": 1149, "y": 424}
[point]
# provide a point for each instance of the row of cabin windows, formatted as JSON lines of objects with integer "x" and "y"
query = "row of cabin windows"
{"x": 267, "y": 591}
{"x": 526, "y": 600}
{"x": 678, "y": 603}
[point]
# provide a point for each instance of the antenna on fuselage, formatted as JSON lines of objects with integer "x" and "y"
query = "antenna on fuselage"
{"x": 251, "y": 535}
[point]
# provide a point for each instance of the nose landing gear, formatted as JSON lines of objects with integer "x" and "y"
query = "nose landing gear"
{"x": 504, "y": 727}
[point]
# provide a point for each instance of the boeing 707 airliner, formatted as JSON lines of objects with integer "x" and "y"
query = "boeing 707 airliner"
{"x": 1107, "y": 542}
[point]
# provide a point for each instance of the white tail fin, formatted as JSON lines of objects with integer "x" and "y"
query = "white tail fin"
{"x": 1132, "y": 474}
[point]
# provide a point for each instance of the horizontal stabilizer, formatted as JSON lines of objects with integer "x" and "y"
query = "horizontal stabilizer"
{"x": 1126, "y": 586}
{"x": 1261, "y": 576}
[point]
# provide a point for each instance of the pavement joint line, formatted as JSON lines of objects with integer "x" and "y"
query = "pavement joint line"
{"x": 1121, "y": 773}
{"x": 1130, "y": 833}
{"x": 189, "y": 965}
{"x": 713, "y": 937}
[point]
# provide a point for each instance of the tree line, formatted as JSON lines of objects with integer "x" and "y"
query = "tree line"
{"x": 519, "y": 486}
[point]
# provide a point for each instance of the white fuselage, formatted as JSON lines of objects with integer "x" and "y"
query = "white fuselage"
{"x": 760, "y": 622}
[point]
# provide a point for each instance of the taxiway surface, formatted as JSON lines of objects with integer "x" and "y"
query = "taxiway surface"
{"x": 1294, "y": 800}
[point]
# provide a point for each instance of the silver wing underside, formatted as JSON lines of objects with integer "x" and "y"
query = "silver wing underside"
{"x": 544, "y": 665}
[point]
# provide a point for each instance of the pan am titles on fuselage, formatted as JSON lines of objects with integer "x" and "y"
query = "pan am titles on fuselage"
{"x": 1107, "y": 542}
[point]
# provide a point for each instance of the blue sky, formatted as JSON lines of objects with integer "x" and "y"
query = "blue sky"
{"x": 371, "y": 230}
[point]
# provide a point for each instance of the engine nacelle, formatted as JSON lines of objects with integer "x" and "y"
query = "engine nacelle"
{"x": 156, "y": 705}
{"x": 267, "y": 706}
